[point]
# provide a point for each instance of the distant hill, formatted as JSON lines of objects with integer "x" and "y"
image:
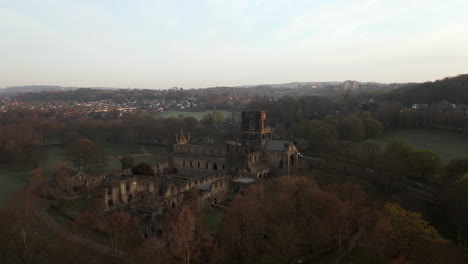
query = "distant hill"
{"x": 290, "y": 85}
{"x": 452, "y": 89}
{"x": 41, "y": 88}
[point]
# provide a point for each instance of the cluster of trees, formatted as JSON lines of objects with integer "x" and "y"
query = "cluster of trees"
{"x": 288, "y": 111}
{"x": 326, "y": 135}
{"x": 452, "y": 89}
{"x": 401, "y": 159}
{"x": 395, "y": 115}
{"x": 286, "y": 220}
{"x": 292, "y": 220}
{"x": 23, "y": 133}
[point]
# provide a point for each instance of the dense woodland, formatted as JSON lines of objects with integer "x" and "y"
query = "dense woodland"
{"x": 349, "y": 205}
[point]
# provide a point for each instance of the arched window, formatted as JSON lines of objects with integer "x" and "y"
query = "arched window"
{"x": 291, "y": 160}
{"x": 183, "y": 163}
{"x": 215, "y": 166}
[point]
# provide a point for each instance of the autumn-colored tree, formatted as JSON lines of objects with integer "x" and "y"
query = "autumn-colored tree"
{"x": 286, "y": 220}
{"x": 26, "y": 245}
{"x": 119, "y": 227}
{"x": 185, "y": 237}
{"x": 409, "y": 228}
{"x": 61, "y": 175}
{"x": 85, "y": 152}
{"x": 340, "y": 222}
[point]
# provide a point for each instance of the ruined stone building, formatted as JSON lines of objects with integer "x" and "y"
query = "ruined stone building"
{"x": 257, "y": 155}
{"x": 206, "y": 173}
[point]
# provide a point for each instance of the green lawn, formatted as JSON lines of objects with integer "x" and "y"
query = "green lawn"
{"x": 197, "y": 115}
{"x": 9, "y": 186}
{"x": 447, "y": 144}
{"x": 212, "y": 219}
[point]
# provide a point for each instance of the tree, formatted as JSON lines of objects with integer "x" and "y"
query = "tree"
{"x": 61, "y": 174}
{"x": 119, "y": 227}
{"x": 410, "y": 118}
{"x": 24, "y": 243}
{"x": 400, "y": 152}
{"x": 372, "y": 127}
{"x": 185, "y": 237}
{"x": 218, "y": 118}
{"x": 127, "y": 162}
{"x": 287, "y": 220}
{"x": 455, "y": 169}
{"x": 408, "y": 228}
{"x": 190, "y": 123}
{"x": 351, "y": 128}
{"x": 85, "y": 152}
{"x": 452, "y": 212}
{"x": 323, "y": 139}
{"x": 369, "y": 150}
{"x": 426, "y": 163}
{"x": 143, "y": 169}
{"x": 340, "y": 222}
{"x": 389, "y": 168}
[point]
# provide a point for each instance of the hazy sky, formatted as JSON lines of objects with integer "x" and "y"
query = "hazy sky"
{"x": 195, "y": 43}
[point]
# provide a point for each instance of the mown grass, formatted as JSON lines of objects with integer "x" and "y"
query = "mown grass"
{"x": 447, "y": 144}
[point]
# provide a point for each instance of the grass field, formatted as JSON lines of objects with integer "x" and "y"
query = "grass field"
{"x": 197, "y": 115}
{"x": 9, "y": 186}
{"x": 447, "y": 144}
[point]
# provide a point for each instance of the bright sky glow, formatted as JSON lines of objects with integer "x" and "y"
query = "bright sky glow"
{"x": 196, "y": 43}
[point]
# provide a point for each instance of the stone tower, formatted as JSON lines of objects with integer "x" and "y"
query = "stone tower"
{"x": 253, "y": 128}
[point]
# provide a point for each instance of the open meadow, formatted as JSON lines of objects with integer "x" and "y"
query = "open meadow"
{"x": 447, "y": 144}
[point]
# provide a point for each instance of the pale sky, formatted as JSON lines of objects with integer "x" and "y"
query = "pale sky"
{"x": 198, "y": 43}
